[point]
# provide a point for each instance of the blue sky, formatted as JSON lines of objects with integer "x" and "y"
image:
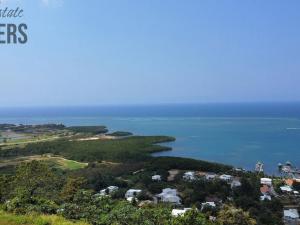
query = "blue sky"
{"x": 144, "y": 52}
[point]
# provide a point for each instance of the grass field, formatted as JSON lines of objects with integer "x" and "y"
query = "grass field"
{"x": 12, "y": 219}
{"x": 53, "y": 161}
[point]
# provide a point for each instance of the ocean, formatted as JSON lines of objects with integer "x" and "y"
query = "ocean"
{"x": 238, "y": 134}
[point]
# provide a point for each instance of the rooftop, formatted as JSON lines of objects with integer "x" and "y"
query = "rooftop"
{"x": 291, "y": 213}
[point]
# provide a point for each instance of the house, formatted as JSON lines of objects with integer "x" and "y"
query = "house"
{"x": 179, "y": 212}
{"x": 210, "y": 176}
{"x": 208, "y": 204}
{"x": 235, "y": 184}
{"x": 189, "y": 176}
{"x": 212, "y": 218}
{"x": 291, "y": 216}
{"x": 266, "y": 181}
{"x": 156, "y": 178}
{"x": 286, "y": 189}
{"x": 265, "y": 197}
{"x": 132, "y": 193}
{"x": 239, "y": 169}
{"x": 259, "y": 167}
{"x": 226, "y": 177}
{"x": 169, "y": 195}
{"x": 108, "y": 190}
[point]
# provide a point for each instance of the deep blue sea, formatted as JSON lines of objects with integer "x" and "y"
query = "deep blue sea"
{"x": 236, "y": 134}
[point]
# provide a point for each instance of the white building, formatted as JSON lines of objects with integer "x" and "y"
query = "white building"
{"x": 235, "y": 183}
{"x": 169, "y": 195}
{"x": 156, "y": 178}
{"x": 286, "y": 189}
{"x": 259, "y": 167}
{"x": 265, "y": 197}
{"x": 190, "y": 176}
{"x": 132, "y": 193}
{"x": 291, "y": 216}
{"x": 266, "y": 181}
{"x": 210, "y": 176}
{"x": 179, "y": 212}
{"x": 108, "y": 190}
{"x": 226, "y": 177}
{"x": 208, "y": 204}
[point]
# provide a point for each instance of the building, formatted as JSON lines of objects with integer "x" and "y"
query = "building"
{"x": 179, "y": 212}
{"x": 132, "y": 193}
{"x": 225, "y": 177}
{"x": 189, "y": 176}
{"x": 291, "y": 217}
{"x": 108, "y": 190}
{"x": 169, "y": 195}
{"x": 156, "y": 178}
{"x": 208, "y": 204}
{"x": 265, "y": 197}
{"x": 286, "y": 189}
{"x": 235, "y": 184}
{"x": 210, "y": 176}
{"x": 259, "y": 167}
{"x": 266, "y": 181}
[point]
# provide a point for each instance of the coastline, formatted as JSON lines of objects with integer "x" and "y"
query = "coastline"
{"x": 230, "y": 138}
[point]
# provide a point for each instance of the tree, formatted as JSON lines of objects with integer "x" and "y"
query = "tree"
{"x": 5, "y": 183}
{"x": 35, "y": 179}
{"x": 230, "y": 215}
{"x": 191, "y": 217}
{"x": 72, "y": 186}
{"x": 36, "y": 188}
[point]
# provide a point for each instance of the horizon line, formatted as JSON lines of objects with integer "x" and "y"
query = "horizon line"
{"x": 149, "y": 104}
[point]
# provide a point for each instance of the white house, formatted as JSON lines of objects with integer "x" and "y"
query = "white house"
{"x": 235, "y": 183}
{"x": 208, "y": 204}
{"x": 169, "y": 195}
{"x": 265, "y": 197}
{"x": 210, "y": 176}
{"x": 286, "y": 189}
{"x": 156, "y": 178}
{"x": 179, "y": 212}
{"x": 189, "y": 176}
{"x": 108, "y": 190}
{"x": 226, "y": 177}
{"x": 291, "y": 216}
{"x": 132, "y": 193}
{"x": 266, "y": 181}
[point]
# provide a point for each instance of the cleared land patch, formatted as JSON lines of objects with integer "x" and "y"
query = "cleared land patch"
{"x": 12, "y": 219}
{"x": 54, "y": 161}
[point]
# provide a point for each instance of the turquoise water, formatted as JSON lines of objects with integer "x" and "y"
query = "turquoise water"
{"x": 231, "y": 139}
